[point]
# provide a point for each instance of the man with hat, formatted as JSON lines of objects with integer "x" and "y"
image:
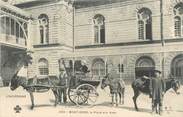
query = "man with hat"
{"x": 63, "y": 84}
{"x": 157, "y": 89}
{"x": 84, "y": 67}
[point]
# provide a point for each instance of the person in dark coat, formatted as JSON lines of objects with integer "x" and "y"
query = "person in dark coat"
{"x": 63, "y": 84}
{"x": 84, "y": 68}
{"x": 157, "y": 88}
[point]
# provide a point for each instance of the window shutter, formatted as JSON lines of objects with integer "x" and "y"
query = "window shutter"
{"x": 141, "y": 30}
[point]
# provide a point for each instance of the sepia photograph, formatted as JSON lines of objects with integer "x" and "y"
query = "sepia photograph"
{"x": 95, "y": 58}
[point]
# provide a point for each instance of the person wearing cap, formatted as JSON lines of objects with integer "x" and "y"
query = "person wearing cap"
{"x": 84, "y": 68}
{"x": 63, "y": 84}
{"x": 157, "y": 89}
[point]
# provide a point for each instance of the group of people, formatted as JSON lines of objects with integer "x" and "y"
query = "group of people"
{"x": 157, "y": 88}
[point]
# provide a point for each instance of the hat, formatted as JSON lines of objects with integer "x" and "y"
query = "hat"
{"x": 84, "y": 62}
{"x": 157, "y": 71}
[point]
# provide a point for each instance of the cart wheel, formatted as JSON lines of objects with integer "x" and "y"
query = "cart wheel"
{"x": 72, "y": 95}
{"x": 86, "y": 95}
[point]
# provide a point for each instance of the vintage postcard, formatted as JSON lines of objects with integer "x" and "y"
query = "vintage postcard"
{"x": 95, "y": 58}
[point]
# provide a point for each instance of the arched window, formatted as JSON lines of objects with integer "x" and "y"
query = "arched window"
{"x": 178, "y": 19}
{"x": 145, "y": 24}
{"x": 43, "y": 67}
{"x": 99, "y": 29}
{"x": 98, "y": 67}
{"x": 44, "y": 28}
{"x": 144, "y": 66}
{"x": 177, "y": 67}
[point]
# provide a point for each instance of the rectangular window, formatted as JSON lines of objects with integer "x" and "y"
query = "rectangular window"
{"x": 47, "y": 35}
{"x": 17, "y": 30}
{"x": 3, "y": 25}
{"x": 41, "y": 35}
{"x": 120, "y": 68}
{"x": 7, "y": 25}
{"x": 149, "y": 31}
{"x": 12, "y": 27}
{"x": 96, "y": 34}
{"x": 102, "y": 35}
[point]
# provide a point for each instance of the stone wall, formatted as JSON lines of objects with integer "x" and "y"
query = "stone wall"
{"x": 120, "y": 21}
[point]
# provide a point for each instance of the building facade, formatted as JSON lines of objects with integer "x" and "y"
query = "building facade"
{"x": 135, "y": 36}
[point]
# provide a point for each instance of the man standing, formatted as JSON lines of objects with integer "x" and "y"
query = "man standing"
{"x": 63, "y": 84}
{"x": 157, "y": 89}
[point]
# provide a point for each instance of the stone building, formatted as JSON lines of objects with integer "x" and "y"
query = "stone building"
{"x": 136, "y": 36}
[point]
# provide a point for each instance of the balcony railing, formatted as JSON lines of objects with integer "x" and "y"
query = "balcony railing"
{"x": 12, "y": 39}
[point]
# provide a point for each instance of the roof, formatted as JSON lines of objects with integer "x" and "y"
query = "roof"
{"x": 31, "y": 3}
{"x": 14, "y": 9}
{"x": 77, "y": 3}
{"x": 89, "y": 3}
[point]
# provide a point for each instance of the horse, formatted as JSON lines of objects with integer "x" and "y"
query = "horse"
{"x": 117, "y": 87}
{"x": 141, "y": 85}
{"x": 31, "y": 87}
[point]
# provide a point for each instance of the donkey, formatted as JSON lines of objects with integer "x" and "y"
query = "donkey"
{"x": 117, "y": 87}
{"x": 144, "y": 87}
{"x": 31, "y": 87}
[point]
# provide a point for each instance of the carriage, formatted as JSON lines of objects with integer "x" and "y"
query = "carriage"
{"x": 81, "y": 87}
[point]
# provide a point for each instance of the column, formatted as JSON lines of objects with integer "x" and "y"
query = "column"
{"x": 1, "y": 80}
{"x": 29, "y": 33}
{"x": 120, "y": 61}
{"x": 105, "y": 65}
{"x": 73, "y": 67}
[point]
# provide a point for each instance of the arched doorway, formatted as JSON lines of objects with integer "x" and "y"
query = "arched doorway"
{"x": 177, "y": 67}
{"x": 98, "y": 68}
{"x": 144, "y": 66}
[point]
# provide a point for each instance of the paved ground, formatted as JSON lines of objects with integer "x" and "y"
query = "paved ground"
{"x": 173, "y": 105}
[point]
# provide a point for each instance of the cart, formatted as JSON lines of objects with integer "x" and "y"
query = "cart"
{"x": 81, "y": 88}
